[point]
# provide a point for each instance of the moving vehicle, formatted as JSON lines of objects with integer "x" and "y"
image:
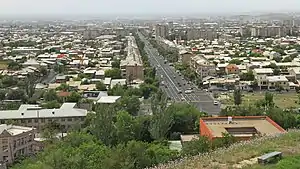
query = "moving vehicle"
{"x": 216, "y": 103}
{"x": 188, "y": 91}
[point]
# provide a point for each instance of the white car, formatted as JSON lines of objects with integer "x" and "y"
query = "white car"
{"x": 188, "y": 91}
{"x": 216, "y": 103}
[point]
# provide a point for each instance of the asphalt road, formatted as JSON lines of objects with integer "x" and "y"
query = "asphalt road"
{"x": 172, "y": 83}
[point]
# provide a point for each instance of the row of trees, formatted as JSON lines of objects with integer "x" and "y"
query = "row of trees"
{"x": 287, "y": 118}
{"x": 113, "y": 138}
{"x": 171, "y": 54}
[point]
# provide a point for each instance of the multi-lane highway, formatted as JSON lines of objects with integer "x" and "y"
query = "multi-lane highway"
{"x": 175, "y": 85}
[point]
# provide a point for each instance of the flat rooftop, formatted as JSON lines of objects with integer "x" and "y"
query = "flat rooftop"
{"x": 242, "y": 126}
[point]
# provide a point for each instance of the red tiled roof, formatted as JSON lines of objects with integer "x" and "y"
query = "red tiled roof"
{"x": 63, "y": 94}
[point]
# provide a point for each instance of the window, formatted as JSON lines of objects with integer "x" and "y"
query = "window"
{"x": 22, "y": 121}
{"x": 5, "y": 148}
{"x": 49, "y": 120}
{"x": 63, "y": 119}
{"x": 29, "y": 120}
{"x": 69, "y": 119}
{"x": 4, "y": 141}
{"x": 2, "y": 121}
{"x": 36, "y": 120}
{"x": 43, "y": 120}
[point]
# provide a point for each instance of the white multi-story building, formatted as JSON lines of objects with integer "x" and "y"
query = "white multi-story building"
{"x": 261, "y": 75}
{"x": 67, "y": 116}
{"x": 268, "y": 31}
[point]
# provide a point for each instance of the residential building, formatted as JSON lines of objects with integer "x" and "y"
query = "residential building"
{"x": 202, "y": 67}
{"x": 241, "y": 127}
{"x": 268, "y": 31}
{"x": 201, "y": 33}
{"x": 232, "y": 69}
{"x": 185, "y": 57}
{"x": 16, "y": 141}
{"x": 295, "y": 71}
{"x": 132, "y": 67}
{"x": 275, "y": 82}
{"x": 30, "y": 115}
{"x": 161, "y": 30}
{"x": 260, "y": 75}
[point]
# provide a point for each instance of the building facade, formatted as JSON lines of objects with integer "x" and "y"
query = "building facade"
{"x": 16, "y": 141}
{"x": 67, "y": 116}
{"x": 132, "y": 67}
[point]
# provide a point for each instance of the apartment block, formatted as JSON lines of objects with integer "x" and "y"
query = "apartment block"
{"x": 185, "y": 57}
{"x": 261, "y": 75}
{"x": 15, "y": 141}
{"x": 268, "y": 31}
{"x": 201, "y": 33}
{"x": 30, "y": 115}
{"x": 132, "y": 67}
{"x": 161, "y": 31}
{"x": 202, "y": 67}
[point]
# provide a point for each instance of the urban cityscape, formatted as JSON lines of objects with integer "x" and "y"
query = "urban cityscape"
{"x": 149, "y": 89}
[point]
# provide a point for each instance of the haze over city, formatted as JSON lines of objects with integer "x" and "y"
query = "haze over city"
{"x": 149, "y": 84}
{"x": 145, "y": 7}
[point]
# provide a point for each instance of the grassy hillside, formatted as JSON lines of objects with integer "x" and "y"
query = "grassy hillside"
{"x": 243, "y": 153}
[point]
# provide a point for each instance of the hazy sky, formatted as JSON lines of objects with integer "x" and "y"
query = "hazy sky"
{"x": 22, "y": 7}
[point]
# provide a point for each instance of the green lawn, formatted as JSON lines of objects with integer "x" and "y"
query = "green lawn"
{"x": 282, "y": 100}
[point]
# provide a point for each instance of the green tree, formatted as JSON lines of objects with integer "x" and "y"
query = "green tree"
{"x": 184, "y": 116}
{"x": 249, "y": 76}
{"x": 113, "y": 73}
{"x": 2, "y": 94}
{"x": 50, "y": 95}
{"x": 115, "y": 63}
{"x": 43, "y": 71}
{"x": 16, "y": 95}
{"x": 103, "y": 126}
{"x": 101, "y": 86}
{"x": 74, "y": 97}
{"x": 12, "y": 65}
{"x": 64, "y": 87}
{"x": 269, "y": 102}
{"x": 237, "y": 96}
{"x": 125, "y": 127}
{"x": 235, "y": 61}
{"x": 9, "y": 81}
{"x": 196, "y": 146}
{"x": 130, "y": 104}
{"x": 51, "y": 104}
{"x": 161, "y": 125}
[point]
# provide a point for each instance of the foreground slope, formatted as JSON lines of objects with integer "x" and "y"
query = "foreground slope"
{"x": 240, "y": 154}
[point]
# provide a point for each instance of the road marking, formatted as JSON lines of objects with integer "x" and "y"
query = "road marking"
{"x": 162, "y": 68}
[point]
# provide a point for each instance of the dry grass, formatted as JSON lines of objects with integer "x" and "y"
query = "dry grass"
{"x": 3, "y": 65}
{"x": 288, "y": 143}
{"x": 282, "y": 100}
